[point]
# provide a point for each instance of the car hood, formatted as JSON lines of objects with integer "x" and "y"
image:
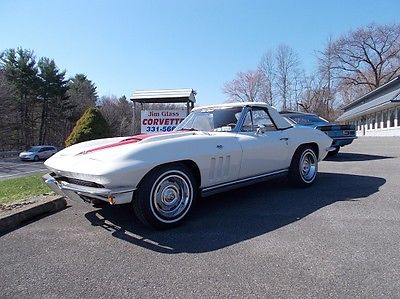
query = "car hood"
{"x": 99, "y": 147}
{"x": 94, "y": 156}
{"x": 27, "y": 153}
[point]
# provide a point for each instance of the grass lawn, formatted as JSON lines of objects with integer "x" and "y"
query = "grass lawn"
{"x": 22, "y": 188}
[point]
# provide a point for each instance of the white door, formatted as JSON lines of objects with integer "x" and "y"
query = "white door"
{"x": 264, "y": 147}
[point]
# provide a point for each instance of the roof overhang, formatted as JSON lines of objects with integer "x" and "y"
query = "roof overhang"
{"x": 348, "y": 115}
{"x": 164, "y": 96}
{"x": 372, "y": 94}
{"x": 383, "y": 100}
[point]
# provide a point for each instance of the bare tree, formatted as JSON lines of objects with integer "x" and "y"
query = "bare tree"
{"x": 326, "y": 76}
{"x": 118, "y": 114}
{"x": 267, "y": 68}
{"x": 367, "y": 57}
{"x": 287, "y": 70}
{"x": 315, "y": 96}
{"x": 246, "y": 87}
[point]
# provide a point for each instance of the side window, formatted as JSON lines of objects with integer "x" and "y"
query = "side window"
{"x": 258, "y": 118}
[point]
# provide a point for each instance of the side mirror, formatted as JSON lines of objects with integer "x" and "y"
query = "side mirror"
{"x": 260, "y": 129}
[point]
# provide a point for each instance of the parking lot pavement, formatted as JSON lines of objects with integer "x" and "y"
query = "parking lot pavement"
{"x": 14, "y": 167}
{"x": 340, "y": 238}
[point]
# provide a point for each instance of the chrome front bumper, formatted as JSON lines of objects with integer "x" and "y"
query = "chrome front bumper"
{"x": 87, "y": 194}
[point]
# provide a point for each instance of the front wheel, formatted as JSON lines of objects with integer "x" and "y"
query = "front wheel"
{"x": 36, "y": 158}
{"x": 165, "y": 196}
{"x": 304, "y": 167}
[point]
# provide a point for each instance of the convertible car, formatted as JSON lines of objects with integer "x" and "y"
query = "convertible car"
{"x": 215, "y": 148}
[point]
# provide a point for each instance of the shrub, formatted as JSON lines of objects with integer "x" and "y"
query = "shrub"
{"x": 91, "y": 125}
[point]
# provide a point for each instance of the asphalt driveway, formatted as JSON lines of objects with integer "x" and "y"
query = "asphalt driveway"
{"x": 339, "y": 238}
{"x": 14, "y": 167}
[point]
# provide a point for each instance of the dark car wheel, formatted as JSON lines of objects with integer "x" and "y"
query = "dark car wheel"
{"x": 165, "y": 196}
{"x": 334, "y": 152}
{"x": 36, "y": 158}
{"x": 304, "y": 167}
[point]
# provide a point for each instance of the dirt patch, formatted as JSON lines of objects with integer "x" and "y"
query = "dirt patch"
{"x": 15, "y": 206}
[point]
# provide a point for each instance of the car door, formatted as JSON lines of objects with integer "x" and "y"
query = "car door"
{"x": 46, "y": 152}
{"x": 42, "y": 153}
{"x": 264, "y": 147}
{"x": 49, "y": 151}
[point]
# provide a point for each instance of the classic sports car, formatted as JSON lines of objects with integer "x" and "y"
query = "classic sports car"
{"x": 341, "y": 134}
{"x": 215, "y": 148}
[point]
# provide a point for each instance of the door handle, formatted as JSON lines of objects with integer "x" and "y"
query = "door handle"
{"x": 284, "y": 139}
{"x": 219, "y": 146}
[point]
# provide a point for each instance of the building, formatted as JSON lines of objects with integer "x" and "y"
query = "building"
{"x": 377, "y": 113}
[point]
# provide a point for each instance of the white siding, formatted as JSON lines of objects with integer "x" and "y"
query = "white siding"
{"x": 373, "y": 124}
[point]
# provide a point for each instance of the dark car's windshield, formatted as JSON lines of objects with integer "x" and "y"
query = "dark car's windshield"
{"x": 306, "y": 119}
{"x": 211, "y": 120}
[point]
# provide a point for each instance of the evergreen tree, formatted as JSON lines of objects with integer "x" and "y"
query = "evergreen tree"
{"x": 82, "y": 95}
{"x": 53, "y": 90}
{"x": 9, "y": 120}
{"x": 21, "y": 71}
{"x": 91, "y": 125}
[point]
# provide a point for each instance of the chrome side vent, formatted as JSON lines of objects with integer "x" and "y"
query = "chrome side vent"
{"x": 219, "y": 168}
{"x": 212, "y": 169}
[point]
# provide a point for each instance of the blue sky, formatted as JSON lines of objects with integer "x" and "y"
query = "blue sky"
{"x": 127, "y": 45}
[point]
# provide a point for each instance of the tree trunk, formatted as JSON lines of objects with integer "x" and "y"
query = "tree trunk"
{"x": 43, "y": 120}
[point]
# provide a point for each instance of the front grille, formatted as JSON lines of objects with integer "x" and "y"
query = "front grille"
{"x": 79, "y": 182}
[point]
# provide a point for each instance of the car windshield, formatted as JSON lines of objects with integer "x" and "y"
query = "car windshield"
{"x": 307, "y": 119}
{"x": 223, "y": 120}
{"x": 33, "y": 149}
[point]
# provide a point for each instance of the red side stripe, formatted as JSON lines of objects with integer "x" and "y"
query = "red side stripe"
{"x": 129, "y": 140}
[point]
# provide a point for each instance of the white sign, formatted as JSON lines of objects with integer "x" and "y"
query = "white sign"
{"x": 160, "y": 120}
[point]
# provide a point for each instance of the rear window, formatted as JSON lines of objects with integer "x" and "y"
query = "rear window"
{"x": 307, "y": 119}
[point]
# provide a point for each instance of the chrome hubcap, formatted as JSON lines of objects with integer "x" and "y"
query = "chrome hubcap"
{"x": 308, "y": 166}
{"x": 171, "y": 196}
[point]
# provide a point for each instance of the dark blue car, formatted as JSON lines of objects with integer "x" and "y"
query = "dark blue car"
{"x": 341, "y": 134}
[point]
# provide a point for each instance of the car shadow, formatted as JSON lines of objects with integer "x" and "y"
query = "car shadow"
{"x": 232, "y": 217}
{"x": 354, "y": 157}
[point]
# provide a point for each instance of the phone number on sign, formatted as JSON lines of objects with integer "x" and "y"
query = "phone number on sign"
{"x": 159, "y": 128}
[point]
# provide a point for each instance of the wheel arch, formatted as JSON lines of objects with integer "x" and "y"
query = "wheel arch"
{"x": 313, "y": 145}
{"x": 190, "y": 164}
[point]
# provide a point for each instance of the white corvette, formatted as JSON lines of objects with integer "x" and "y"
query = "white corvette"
{"x": 215, "y": 148}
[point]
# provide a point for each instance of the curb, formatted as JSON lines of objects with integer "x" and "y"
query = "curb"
{"x": 14, "y": 219}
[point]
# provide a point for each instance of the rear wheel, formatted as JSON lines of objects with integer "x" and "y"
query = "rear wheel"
{"x": 304, "y": 167}
{"x": 165, "y": 196}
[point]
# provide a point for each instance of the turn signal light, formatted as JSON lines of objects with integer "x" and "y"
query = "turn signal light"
{"x": 111, "y": 200}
